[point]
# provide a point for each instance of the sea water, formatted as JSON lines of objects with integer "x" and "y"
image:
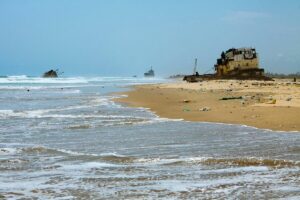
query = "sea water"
{"x": 65, "y": 138}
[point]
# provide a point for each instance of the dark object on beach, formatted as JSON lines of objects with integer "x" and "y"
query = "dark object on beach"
{"x": 240, "y": 64}
{"x": 51, "y": 74}
{"x": 295, "y": 80}
{"x": 186, "y": 101}
{"x": 231, "y": 98}
{"x": 205, "y": 109}
{"x": 150, "y": 73}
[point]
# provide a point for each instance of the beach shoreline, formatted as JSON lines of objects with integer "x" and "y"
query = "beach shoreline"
{"x": 265, "y": 105}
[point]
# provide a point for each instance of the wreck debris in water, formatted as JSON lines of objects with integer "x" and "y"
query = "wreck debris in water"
{"x": 51, "y": 74}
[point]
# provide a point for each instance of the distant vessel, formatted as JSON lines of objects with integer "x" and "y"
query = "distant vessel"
{"x": 150, "y": 73}
{"x": 51, "y": 74}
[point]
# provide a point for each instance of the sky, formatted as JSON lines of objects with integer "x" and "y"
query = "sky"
{"x": 126, "y": 37}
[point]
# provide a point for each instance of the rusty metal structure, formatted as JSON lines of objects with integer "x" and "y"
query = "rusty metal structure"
{"x": 241, "y": 64}
{"x": 52, "y": 73}
{"x": 150, "y": 73}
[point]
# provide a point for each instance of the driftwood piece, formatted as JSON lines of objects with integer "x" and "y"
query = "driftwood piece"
{"x": 231, "y": 98}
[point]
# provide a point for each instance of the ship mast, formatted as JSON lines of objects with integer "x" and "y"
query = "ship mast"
{"x": 195, "y": 66}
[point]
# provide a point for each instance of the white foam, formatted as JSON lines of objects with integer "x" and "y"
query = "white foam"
{"x": 160, "y": 161}
{"x": 34, "y": 80}
{"x": 22, "y": 114}
{"x": 70, "y": 152}
{"x": 8, "y": 151}
{"x": 6, "y": 113}
{"x": 121, "y": 80}
{"x": 112, "y": 154}
{"x": 87, "y": 166}
{"x": 17, "y": 76}
{"x": 75, "y": 153}
{"x": 44, "y": 113}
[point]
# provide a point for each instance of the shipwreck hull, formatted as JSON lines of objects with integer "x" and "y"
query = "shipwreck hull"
{"x": 247, "y": 74}
{"x": 238, "y": 64}
{"x": 50, "y": 74}
{"x": 198, "y": 78}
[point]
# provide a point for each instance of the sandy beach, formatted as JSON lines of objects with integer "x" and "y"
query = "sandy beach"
{"x": 267, "y": 105}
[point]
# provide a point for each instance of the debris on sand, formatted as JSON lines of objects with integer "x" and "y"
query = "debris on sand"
{"x": 205, "y": 109}
{"x": 231, "y": 98}
{"x": 186, "y": 101}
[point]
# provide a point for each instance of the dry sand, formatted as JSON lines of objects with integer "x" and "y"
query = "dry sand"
{"x": 269, "y": 105}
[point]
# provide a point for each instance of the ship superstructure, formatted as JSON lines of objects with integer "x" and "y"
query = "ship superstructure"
{"x": 150, "y": 73}
{"x": 240, "y": 63}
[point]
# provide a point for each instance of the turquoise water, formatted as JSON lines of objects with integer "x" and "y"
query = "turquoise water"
{"x": 66, "y": 139}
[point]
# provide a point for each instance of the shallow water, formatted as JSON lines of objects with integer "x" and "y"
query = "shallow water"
{"x": 65, "y": 139}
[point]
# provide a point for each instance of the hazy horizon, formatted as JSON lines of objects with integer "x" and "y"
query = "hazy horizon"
{"x": 125, "y": 38}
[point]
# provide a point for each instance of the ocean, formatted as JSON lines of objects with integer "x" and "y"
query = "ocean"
{"x": 65, "y": 138}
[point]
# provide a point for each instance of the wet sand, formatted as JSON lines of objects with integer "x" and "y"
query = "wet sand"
{"x": 268, "y": 105}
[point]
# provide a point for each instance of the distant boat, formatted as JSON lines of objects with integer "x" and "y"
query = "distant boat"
{"x": 51, "y": 74}
{"x": 150, "y": 73}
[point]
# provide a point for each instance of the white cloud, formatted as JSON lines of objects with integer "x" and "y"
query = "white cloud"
{"x": 244, "y": 16}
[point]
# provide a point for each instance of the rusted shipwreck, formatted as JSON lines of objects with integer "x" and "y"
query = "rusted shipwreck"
{"x": 241, "y": 64}
{"x": 51, "y": 74}
{"x": 150, "y": 73}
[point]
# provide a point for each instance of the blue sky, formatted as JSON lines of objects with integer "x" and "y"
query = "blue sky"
{"x": 126, "y": 37}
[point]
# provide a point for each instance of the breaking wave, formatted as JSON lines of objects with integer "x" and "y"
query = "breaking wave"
{"x": 8, "y": 151}
{"x": 43, "y": 114}
{"x": 33, "y": 80}
{"x": 122, "y": 159}
{"x": 75, "y": 80}
{"x": 276, "y": 163}
{"x": 242, "y": 162}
